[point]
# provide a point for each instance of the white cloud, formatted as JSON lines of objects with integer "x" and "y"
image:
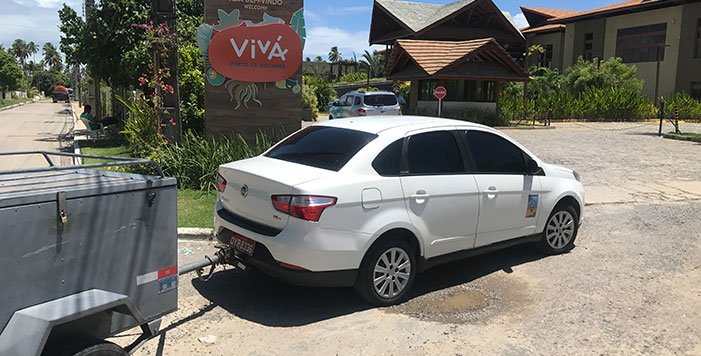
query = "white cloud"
{"x": 520, "y": 20}
{"x": 320, "y": 39}
{"x": 50, "y": 4}
{"x": 351, "y": 9}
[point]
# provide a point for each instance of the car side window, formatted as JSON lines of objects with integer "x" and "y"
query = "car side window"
{"x": 434, "y": 153}
{"x": 342, "y": 101}
{"x": 388, "y": 162}
{"x": 494, "y": 154}
{"x": 358, "y": 100}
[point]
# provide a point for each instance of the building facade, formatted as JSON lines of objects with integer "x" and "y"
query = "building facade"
{"x": 640, "y": 32}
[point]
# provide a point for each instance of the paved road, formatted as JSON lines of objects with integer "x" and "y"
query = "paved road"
{"x": 632, "y": 285}
{"x": 42, "y": 126}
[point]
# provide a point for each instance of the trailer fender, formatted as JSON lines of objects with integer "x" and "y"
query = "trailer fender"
{"x": 28, "y": 330}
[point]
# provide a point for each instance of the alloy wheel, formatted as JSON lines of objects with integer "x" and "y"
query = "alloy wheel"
{"x": 560, "y": 230}
{"x": 392, "y": 272}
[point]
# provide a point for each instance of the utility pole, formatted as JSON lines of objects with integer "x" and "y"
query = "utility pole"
{"x": 163, "y": 11}
{"x": 657, "y": 75}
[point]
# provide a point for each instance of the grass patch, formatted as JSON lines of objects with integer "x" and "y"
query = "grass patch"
{"x": 686, "y": 135}
{"x": 11, "y": 101}
{"x": 195, "y": 208}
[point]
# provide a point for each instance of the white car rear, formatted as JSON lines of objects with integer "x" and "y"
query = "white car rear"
{"x": 369, "y": 203}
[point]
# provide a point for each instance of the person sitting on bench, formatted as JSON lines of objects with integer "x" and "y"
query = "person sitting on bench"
{"x": 95, "y": 124}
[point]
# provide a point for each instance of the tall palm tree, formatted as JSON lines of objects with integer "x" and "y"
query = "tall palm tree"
{"x": 32, "y": 49}
{"x": 20, "y": 51}
{"x": 373, "y": 62}
{"x": 52, "y": 58}
{"x": 334, "y": 54}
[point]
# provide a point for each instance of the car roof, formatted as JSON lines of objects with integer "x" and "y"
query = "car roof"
{"x": 378, "y": 124}
{"x": 355, "y": 92}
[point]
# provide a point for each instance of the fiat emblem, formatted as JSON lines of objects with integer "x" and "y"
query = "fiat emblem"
{"x": 244, "y": 191}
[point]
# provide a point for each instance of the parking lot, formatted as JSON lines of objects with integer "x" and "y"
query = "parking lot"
{"x": 631, "y": 286}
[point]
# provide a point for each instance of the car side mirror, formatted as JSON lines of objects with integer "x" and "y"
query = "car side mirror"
{"x": 532, "y": 167}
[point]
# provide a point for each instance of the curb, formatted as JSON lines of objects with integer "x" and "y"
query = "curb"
{"x": 16, "y": 105}
{"x": 525, "y": 128}
{"x": 674, "y": 137}
{"x": 76, "y": 145}
{"x": 190, "y": 233}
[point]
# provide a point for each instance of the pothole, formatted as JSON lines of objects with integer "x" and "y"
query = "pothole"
{"x": 475, "y": 301}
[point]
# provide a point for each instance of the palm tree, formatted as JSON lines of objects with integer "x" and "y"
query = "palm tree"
{"x": 334, "y": 54}
{"x": 318, "y": 59}
{"x": 373, "y": 62}
{"x": 32, "y": 49}
{"x": 52, "y": 58}
{"x": 19, "y": 50}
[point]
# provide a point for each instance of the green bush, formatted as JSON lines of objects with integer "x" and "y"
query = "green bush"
{"x": 322, "y": 88}
{"x": 682, "y": 103}
{"x": 354, "y": 77}
{"x": 602, "y": 74}
{"x": 195, "y": 160}
{"x": 142, "y": 131}
{"x": 309, "y": 100}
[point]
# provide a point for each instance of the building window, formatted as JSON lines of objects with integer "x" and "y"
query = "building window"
{"x": 696, "y": 90}
{"x": 545, "y": 59}
{"x": 641, "y": 44}
{"x": 698, "y": 39}
{"x": 587, "y": 53}
{"x": 458, "y": 90}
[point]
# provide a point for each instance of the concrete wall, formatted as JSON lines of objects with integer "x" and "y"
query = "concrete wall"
{"x": 598, "y": 28}
{"x": 431, "y": 106}
{"x": 688, "y": 67}
{"x": 557, "y": 39}
{"x": 647, "y": 70}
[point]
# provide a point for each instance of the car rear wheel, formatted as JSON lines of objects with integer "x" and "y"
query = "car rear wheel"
{"x": 560, "y": 230}
{"x": 387, "y": 272}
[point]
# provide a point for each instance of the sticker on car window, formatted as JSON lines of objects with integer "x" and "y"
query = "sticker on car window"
{"x": 532, "y": 206}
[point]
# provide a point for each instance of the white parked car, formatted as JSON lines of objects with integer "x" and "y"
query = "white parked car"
{"x": 369, "y": 203}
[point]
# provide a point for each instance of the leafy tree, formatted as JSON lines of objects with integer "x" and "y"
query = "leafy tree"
{"x": 190, "y": 65}
{"x": 322, "y": 89}
{"x": 10, "y": 73}
{"x": 602, "y": 74}
{"x": 45, "y": 80}
{"x": 318, "y": 59}
{"x": 108, "y": 41}
{"x": 374, "y": 63}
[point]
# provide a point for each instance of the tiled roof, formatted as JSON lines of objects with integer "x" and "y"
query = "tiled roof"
{"x": 631, "y": 4}
{"x": 433, "y": 56}
{"x": 550, "y": 13}
{"x": 543, "y": 28}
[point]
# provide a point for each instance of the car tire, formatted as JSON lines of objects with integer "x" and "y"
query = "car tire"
{"x": 88, "y": 347}
{"x": 387, "y": 258}
{"x": 560, "y": 230}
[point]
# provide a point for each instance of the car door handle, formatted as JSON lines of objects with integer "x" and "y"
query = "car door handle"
{"x": 420, "y": 197}
{"x": 491, "y": 192}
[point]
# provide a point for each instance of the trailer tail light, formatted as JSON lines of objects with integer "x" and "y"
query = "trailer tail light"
{"x": 307, "y": 207}
{"x": 221, "y": 183}
{"x": 361, "y": 112}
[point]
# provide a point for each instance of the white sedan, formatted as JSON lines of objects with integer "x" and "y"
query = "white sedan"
{"x": 370, "y": 202}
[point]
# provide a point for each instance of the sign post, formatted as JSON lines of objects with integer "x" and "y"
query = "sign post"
{"x": 440, "y": 93}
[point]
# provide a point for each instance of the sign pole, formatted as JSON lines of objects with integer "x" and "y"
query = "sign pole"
{"x": 440, "y": 93}
{"x": 440, "y": 105}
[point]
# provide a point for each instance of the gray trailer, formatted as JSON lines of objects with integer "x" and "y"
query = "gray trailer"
{"x": 84, "y": 254}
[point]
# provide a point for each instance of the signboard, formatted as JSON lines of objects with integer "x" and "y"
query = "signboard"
{"x": 440, "y": 93}
{"x": 253, "y": 63}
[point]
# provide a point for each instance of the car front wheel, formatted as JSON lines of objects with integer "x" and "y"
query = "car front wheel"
{"x": 560, "y": 230}
{"x": 387, "y": 273}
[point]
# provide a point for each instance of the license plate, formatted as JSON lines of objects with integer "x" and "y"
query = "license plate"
{"x": 243, "y": 244}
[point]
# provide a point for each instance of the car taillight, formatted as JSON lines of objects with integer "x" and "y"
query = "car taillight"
{"x": 361, "y": 112}
{"x": 307, "y": 207}
{"x": 221, "y": 183}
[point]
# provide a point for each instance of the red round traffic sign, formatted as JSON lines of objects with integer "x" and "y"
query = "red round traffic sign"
{"x": 440, "y": 92}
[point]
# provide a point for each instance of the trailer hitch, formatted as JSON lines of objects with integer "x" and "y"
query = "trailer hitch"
{"x": 199, "y": 266}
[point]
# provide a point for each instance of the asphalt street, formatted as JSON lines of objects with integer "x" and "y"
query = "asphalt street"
{"x": 41, "y": 126}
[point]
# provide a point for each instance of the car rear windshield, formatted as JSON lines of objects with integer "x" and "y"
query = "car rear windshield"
{"x": 380, "y": 100}
{"x": 322, "y": 147}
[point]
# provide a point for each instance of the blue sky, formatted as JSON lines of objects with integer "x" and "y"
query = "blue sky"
{"x": 329, "y": 22}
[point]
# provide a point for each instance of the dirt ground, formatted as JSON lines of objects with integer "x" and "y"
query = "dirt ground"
{"x": 631, "y": 286}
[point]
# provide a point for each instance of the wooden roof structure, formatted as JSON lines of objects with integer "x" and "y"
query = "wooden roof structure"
{"x": 479, "y": 59}
{"x": 458, "y": 21}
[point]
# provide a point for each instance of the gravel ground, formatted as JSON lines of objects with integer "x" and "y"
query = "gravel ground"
{"x": 631, "y": 286}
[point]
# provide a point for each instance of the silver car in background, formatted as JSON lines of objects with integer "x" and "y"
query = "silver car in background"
{"x": 360, "y": 103}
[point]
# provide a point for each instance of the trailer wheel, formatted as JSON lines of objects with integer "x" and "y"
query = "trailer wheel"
{"x": 95, "y": 348}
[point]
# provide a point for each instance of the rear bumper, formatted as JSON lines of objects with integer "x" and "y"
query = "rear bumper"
{"x": 263, "y": 260}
